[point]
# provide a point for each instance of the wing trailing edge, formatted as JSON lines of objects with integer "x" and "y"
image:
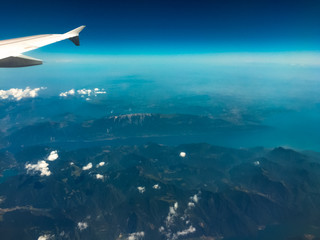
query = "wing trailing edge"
{"x": 19, "y": 61}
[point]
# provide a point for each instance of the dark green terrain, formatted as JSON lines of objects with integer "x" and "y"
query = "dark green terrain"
{"x": 211, "y": 193}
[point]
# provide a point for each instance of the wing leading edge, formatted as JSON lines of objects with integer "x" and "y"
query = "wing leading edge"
{"x": 11, "y": 50}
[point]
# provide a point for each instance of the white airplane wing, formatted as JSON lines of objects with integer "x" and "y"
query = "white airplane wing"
{"x": 11, "y": 50}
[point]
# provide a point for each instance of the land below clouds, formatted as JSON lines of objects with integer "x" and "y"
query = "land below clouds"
{"x": 109, "y": 181}
{"x": 112, "y": 192}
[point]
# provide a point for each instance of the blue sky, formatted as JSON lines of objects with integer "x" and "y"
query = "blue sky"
{"x": 170, "y": 27}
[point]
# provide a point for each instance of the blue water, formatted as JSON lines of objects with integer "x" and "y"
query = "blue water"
{"x": 7, "y": 174}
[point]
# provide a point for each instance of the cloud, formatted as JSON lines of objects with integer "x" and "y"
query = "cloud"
{"x": 172, "y": 214}
{"x": 195, "y": 198}
{"x": 99, "y": 176}
{"x": 175, "y": 206}
{"x": 87, "y": 167}
{"x": 41, "y": 166}
{"x": 141, "y": 189}
{"x": 99, "y": 91}
{"x": 82, "y": 225}
{"x": 136, "y": 236}
{"x": 191, "y": 204}
{"x": 83, "y": 92}
{"x": 19, "y": 93}
{"x": 53, "y": 156}
{"x": 182, "y": 154}
{"x": 191, "y": 229}
{"x": 46, "y": 237}
{"x": 156, "y": 186}
{"x": 101, "y": 164}
{"x": 71, "y": 92}
{"x": 174, "y": 219}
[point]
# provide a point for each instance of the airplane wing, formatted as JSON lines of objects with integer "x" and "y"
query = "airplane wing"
{"x": 11, "y": 50}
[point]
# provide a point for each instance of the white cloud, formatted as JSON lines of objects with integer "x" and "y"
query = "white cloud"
{"x": 41, "y": 166}
{"x": 53, "y": 156}
{"x": 172, "y": 214}
{"x": 101, "y": 164}
{"x": 173, "y": 220}
{"x": 46, "y": 237}
{"x": 175, "y": 205}
{"x": 71, "y": 92}
{"x": 195, "y": 198}
{"x": 191, "y": 204}
{"x": 19, "y": 93}
{"x": 87, "y": 167}
{"x": 99, "y": 91}
{"x": 156, "y": 186}
{"x": 141, "y": 189}
{"x": 182, "y": 154}
{"x": 136, "y": 236}
{"x": 99, "y": 176}
{"x": 82, "y": 225}
{"x": 83, "y": 92}
{"x": 191, "y": 229}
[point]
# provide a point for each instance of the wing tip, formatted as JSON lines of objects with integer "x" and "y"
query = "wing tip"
{"x": 76, "y": 31}
{"x": 73, "y": 35}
